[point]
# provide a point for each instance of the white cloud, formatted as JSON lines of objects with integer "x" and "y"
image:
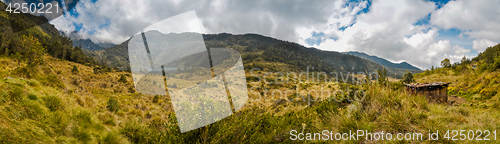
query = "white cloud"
{"x": 387, "y": 30}
{"x": 63, "y": 24}
{"x": 481, "y": 44}
{"x": 460, "y": 50}
{"x": 478, "y": 18}
{"x": 116, "y": 20}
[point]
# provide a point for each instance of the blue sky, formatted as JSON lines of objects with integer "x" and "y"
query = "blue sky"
{"x": 444, "y": 34}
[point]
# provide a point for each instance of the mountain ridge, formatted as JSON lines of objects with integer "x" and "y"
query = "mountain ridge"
{"x": 267, "y": 53}
{"x": 382, "y": 61}
{"x": 88, "y": 44}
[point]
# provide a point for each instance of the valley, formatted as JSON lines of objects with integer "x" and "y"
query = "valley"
{"x": 52, "y": 91}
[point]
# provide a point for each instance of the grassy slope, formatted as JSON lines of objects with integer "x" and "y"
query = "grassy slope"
{"x": 58, "y": 105}
{"x": 468, "y": 83}
{"x": 82, "y": 116}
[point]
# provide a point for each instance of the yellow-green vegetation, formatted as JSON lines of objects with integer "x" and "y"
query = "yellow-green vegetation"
{"x": 51, "y": 93}
{"x": 25, "y": 37}
{"x": 56, "y": 105}
{"x": 476, "y": 79}
{"x": 95, "y": 107}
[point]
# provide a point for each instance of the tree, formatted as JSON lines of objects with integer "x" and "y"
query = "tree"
{"x": 382, "y": 76}
{"x": 408, "y": 78}
{"x": 464, "y": 60}
{"x": 122, "y": 79}
{"x": 446, "y": 63}
{"x": 432, "y": 68}
{"x": 113, "y": 105}
{"x": 75, "y": 69}
{"x": 33, "y": 50}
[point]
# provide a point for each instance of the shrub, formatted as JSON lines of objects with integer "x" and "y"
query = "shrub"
{"x": 107, "y": 118}
{"x": 81, "y": 134}
{"x": 33, "y": 111}
{"x": 75, "y": 69}
{"x": 482, "y": 67}
{"x": 122, "y": 79}
{"x": 408, "y": 78}
{"x": 113, "y": 105}
{"x": 156, "y": 99}
{"x": 3, "y": 96}
{"x": 50, "y": 80}
{"x": 488, "y": 93}
{"x": 131, "y": 89}
{"x": 16, "y": 94}
{"x": 84, "y": 118}
{"x": 382, "y": 79}
{"x": 138, "y": 133}
{"x": 53, "y": 103}
{"x": 32, "y": 83}
{"x": 446, "y": 63}
{"x": 112, "y": 138}
{"x": 463, "y": 111}
{"x": 32, "y": 97}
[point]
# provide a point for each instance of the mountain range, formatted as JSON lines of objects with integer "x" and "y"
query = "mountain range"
{"x": 87, "y": 44}
{"x": 268, "y": 54}
{"x": 382, "y": 61}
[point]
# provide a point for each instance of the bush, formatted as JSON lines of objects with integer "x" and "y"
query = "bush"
{"x": 74, "y": 70}
{"x": 82, "y": 134}
{"x": 34, "y": 50}
{"x": 16, "y": 94}
{"x": 122, "y": 79}
{"x": 446, "y": 63}
{"x": 408, "y": 78}
{"x": 33, "y": 110}
{"x": 156, "y": 99}
{"x": 138, "y": 133}
{"x": 131, "y": 89}
{"x": 488, "y": 93}
{"x": 53, "y": 103}
{"x": 32, "y": 97}
{"x": 482, "y": 67}
{"x": 51, "y": 80}
{"x": 24, "y": 71}
{"x": 32, "y": 83}
{"x": 112, "y": 138}
{"x": 113, "y": 105}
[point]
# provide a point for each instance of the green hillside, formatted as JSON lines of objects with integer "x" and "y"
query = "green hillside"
{"x": 475, "y": 79}
{"x": 19, "y": 31}
{"x": 50, "y": 92}
{"x": 268, "y": 54}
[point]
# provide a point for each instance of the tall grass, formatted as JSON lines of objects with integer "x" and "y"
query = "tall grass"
{"x": 36, "y": 110}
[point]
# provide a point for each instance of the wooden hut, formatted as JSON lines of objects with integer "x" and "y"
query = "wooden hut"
{"x": 433, "y": 92}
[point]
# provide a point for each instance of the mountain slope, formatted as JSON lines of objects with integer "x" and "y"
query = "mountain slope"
{"x": 382, "y": 61}
{"x": 86, "y": 43}
{"x": 268, "y": 54}
{"x": 476, "y": 79}
{"x": 19, "y": 32}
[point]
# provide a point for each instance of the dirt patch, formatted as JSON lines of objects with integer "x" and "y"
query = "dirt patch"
{"x": 456, "y": 100}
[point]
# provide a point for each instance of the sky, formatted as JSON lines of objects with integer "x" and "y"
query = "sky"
{"x": 420, "y": 32}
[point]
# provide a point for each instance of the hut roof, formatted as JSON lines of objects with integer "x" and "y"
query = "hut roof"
{"x": 421, "y": 85}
